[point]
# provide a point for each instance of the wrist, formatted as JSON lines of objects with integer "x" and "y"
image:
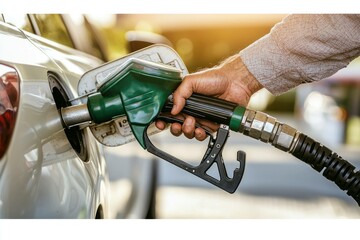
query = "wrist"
{"x": 237, "y": 72}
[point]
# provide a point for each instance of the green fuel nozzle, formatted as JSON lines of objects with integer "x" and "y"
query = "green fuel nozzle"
{"x": 139, "y": 91}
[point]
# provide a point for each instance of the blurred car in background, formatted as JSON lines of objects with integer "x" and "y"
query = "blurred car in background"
{"x": 332, "y": 106}
{"x": 47, "y": 171}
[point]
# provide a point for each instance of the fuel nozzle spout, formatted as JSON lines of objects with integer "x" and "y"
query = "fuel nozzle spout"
{"x": 75, "y": 115}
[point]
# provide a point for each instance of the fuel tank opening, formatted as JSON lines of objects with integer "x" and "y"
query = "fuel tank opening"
{"x": 74, "y": 134}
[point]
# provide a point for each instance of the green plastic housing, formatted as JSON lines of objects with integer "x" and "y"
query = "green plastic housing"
{"x": 139, "y": 90}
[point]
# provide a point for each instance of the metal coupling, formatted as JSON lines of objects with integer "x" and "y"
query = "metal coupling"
{"x": 75, "y": 115}
{"x": 265, "y": 128}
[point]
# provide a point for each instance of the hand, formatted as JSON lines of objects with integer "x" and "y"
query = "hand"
{"x": 231, "y": 81}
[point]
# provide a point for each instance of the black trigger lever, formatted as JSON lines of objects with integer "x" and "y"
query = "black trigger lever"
{"x": 213, "y": 155}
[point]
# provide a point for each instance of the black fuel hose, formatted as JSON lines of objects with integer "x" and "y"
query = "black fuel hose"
{"x": 332, "y": 166}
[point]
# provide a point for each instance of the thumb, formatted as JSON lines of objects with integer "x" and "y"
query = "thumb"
{"x": 183, "y": 92}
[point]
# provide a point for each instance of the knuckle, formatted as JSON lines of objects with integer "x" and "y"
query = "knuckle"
{"x": 189, "y": 125}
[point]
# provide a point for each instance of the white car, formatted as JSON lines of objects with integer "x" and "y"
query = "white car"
{"x": 47, "y": 171}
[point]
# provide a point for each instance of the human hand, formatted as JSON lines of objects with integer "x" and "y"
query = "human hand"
{"x": 231, "y": 81}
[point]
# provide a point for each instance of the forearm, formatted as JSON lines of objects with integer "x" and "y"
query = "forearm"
{"x": 303, "y": 48}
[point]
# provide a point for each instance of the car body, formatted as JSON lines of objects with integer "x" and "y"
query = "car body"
{"x": 47, "y": 171}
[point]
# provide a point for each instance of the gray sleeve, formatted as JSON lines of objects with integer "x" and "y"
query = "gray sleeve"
{"x": 303, "y": 48}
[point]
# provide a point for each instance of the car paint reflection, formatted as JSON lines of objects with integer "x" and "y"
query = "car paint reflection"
{"x": 49, "y": 161}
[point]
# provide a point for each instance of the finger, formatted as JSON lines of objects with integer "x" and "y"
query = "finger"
{"x": 175, "y": 129}
{"x": 183, "y": 92}
{"x": 188, "y": 127}
{"x": 200, "y": 134}
{"x": 160, "y": 124}
{"x": 208, "y": 124}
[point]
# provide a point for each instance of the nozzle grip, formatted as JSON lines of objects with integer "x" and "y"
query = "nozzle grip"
{"x": 211, "y": 108}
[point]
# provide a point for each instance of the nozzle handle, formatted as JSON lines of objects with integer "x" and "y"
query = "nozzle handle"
{"x": 213, "y": 155}
{"x": 211, "y": 108}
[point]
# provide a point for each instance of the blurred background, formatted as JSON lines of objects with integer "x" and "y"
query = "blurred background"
{"x": 275, "y": 184}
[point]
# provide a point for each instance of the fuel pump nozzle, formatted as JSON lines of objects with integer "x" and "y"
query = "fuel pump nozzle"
{"x": 139, "y": 91}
